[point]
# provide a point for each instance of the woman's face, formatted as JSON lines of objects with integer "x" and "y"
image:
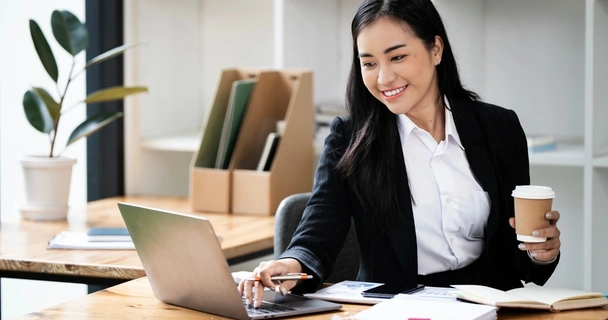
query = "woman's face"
{"x": 397, "y": 68}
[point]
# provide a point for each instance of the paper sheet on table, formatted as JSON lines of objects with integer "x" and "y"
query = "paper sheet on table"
{"x": 80, "y": 240}
{"x": 436, "y": 309}
{"x": 431, "y": 293}
{"x": 347, "y": 292}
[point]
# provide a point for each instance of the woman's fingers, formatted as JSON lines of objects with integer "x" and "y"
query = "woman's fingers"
{"x": 552, "y": 216}
{"x": 550, "y": 232}
{"x": 246, "y": 288}
{"x": 253, "y": 291}
{"x": 544, "y": 255}
{"x": 286, "y": 286}
{"x": 550, "y": 244}
{"x": 542, "y": 251}
{"x": 258, "y": 294}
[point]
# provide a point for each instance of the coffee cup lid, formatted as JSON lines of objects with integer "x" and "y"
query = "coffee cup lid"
{"x": 533, "y": 192}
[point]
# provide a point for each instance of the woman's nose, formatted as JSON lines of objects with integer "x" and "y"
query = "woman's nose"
{"x": 386, "y": 75}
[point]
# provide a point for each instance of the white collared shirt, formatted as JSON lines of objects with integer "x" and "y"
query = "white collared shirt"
{"x": 450, "y": 207}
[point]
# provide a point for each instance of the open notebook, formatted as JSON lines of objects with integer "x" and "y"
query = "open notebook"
{"x": 554, "y": 299}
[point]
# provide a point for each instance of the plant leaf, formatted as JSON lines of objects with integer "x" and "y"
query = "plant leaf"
{"x": 44, "y": 50}
{"x": 93, "y": 124}
{"x": 112, "y": 53}
{"x": 71, "y": 34}
{"x": 52, "y": 106}
{"x": 113, "y": 93}
{"x": 36, "y": 112}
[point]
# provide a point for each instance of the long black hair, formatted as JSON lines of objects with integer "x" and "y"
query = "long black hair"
{"x": 369, "y": 162}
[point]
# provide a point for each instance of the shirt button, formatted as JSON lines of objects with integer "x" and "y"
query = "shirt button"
{"x": 437, "y": 160}
{"x": 451, "y": 240}
{"x": 448, "y": 200}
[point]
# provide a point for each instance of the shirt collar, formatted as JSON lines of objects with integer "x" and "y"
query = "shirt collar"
{"x": 450, "y": 126}
{"x": 406, "y": 126}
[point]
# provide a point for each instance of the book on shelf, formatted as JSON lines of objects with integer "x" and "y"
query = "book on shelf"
{"x": 80, "y": 240}
{"x": 237, "y": 106}
{"x": 545, "y": 298}
{"x": 539, "y": 143}
{"x": 270, "y": 148}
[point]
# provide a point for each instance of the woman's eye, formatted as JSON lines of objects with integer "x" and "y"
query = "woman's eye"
{"x": 397, "y": 58}
{"x": 368, "y": 64}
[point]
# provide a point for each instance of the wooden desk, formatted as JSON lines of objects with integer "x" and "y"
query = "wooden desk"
{"x": 23, "y": 252}
{"x": 135, "y": 300}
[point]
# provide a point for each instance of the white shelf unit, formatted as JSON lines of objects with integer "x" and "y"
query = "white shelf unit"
{"x": 545, "y": 59}
{"x": 600, "y": 162}
{"x": 179, "y": 142}
{"x": 569, "y": 155}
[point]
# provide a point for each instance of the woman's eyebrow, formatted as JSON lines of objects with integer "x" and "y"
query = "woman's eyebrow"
{"x": 395, "y": 47}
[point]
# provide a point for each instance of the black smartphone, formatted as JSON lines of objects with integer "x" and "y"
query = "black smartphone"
{"x": 387, "y": 291}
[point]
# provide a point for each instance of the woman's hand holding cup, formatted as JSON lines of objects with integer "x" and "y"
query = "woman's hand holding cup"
{"x": 536, "y": 223}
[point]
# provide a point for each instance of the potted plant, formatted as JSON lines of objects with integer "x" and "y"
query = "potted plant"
{"x": 47, "y": 177}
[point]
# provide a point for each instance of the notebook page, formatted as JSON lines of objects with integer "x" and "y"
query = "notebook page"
{"x": 550, "y": 295}
{"x": 488, "y": 295}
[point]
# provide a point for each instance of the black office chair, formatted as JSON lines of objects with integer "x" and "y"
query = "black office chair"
{"x": 288, "y": 216}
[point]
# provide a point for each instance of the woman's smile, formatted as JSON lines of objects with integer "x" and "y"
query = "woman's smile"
{"x": 394, "y": 93}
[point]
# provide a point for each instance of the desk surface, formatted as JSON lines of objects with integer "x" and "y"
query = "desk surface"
{"x": 23, "y": 243}
{"x": 134, "y": 299}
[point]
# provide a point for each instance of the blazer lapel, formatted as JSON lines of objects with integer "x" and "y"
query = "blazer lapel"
{"x": 478, "y": 154}
{"x": 403, "y": 234}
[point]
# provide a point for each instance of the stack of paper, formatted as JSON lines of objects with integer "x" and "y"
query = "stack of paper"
{"x": 416, "y": 308}
{"x": 80, "y": 240}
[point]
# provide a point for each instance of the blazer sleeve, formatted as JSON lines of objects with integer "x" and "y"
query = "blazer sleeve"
{"x": 326, "y": 220}
{"x": 520, "y": 171}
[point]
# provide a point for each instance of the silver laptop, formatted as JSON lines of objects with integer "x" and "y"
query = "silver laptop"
{"x": 186, "y": 267}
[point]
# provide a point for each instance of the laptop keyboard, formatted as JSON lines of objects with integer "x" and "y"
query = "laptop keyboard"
{"x": 266, "y": 308}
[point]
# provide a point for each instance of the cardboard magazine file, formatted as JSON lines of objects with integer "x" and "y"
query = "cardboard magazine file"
{"x": 278, "y": 95}
{"x": 210, "y": 188}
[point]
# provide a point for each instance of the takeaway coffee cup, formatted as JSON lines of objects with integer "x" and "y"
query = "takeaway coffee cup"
{"x": 531, "y": 205}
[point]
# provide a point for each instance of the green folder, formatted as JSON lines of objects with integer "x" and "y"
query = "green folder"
{"x": 237, "y": 106}
{"x": 212, "y": 129}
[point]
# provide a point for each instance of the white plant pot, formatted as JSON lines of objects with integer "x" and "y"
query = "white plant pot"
{"x": 47, "y": 187}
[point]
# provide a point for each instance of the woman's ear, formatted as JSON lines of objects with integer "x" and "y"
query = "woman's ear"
{"x": 437, "y": 50}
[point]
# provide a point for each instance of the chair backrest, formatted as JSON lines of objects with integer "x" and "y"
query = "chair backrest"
{"x": 288, "y": 216}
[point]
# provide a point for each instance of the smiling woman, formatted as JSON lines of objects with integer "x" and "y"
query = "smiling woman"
{"x": 423, "y": 168}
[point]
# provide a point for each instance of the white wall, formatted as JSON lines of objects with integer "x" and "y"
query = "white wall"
{"x": 20, "y": 68}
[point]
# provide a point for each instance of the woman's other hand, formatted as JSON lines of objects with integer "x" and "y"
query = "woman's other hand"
{"x": 544, "y": 251}
{"x": 253, "y": 291}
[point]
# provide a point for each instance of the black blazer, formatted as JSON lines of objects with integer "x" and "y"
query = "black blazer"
{"x": 495, "y": 146}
